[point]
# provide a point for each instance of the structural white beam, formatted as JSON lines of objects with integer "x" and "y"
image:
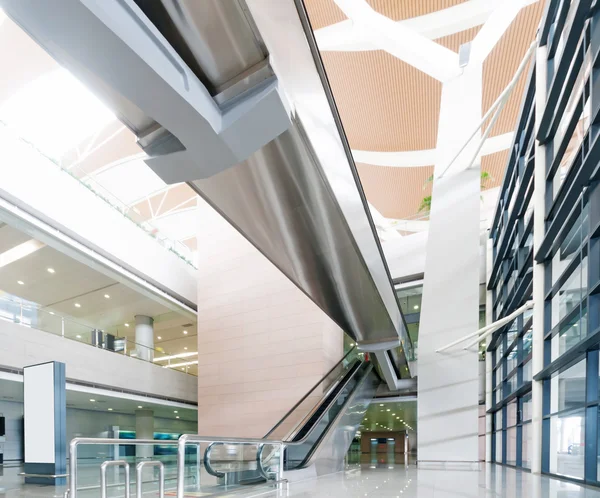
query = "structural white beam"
{"x": 345, "y": 36}
{"x": 400, "y": 41}
{"x": 426, "y": 157}
{"x": 494, "y": 29}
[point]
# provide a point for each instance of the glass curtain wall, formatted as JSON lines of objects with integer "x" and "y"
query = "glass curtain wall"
{"x": 569, "y": 253}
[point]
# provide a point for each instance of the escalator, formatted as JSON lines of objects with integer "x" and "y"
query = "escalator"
{"x": 318, "y": 430}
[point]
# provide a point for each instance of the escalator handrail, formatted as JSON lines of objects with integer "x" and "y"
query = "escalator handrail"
{"x": 305, "y": 438}
{"x": 310, "y": 391}
{"x": 207, "y": 464}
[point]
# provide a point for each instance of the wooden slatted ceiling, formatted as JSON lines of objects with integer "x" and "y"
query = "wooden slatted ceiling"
{"x": 325, "y": 12}
{"x": 386, "y": 105}
{"x": 502, "y": 63}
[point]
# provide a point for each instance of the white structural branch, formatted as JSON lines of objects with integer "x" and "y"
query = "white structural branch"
{"x": 448, "y": 384}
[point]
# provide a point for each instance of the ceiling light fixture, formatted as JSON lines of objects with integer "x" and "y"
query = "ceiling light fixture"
{"x": 185, "y": 332}
{"x": 416, "y": 306}
{"x": 175, "y": 411}
{"x": 140, "y": 406}
{"x": 77, "y": 305}
{"x": 106, "y": 296}
{"x": 52, "y": 312}
{"x": 185, "y": 347}
{"x": 20, "y": 282}
{"x": 110, "y": 409}
{"x": 177, "y": 417}
{"x": 126, "y": 325}
{"x": 78, "y": 336}
{"x": 20, "y": 251}
{"x": 51, "y": 270}
{"x": 92, "y": 400}
{"x": 159, "y": 338}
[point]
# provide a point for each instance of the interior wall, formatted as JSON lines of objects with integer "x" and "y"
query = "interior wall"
{"x": 262, "y": 343}
{"x": 82, "y": 423}
{"x": 365, "y": 440}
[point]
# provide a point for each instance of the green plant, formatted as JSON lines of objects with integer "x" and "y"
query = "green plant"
{"x": 426, "y": 201}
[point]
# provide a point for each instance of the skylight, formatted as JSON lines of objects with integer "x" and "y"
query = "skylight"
{"x": 55, "y": 113}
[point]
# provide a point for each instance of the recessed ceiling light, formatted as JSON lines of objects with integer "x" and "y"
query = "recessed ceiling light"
{"x": 175, "y": 411}
{"x": 416, "y": 306}
{"x": 393, "y": 414}
{"x": 92, "y": 400}
{"x": 20, "y": 282}
{"x": 381, "y": 404}
{"x": 185, "y": 332}
{"x": 77, "y": 305}
{"x": 185, "y": 348}
{"x": 351, "y": 344}
{"x": 107, "y": 296}
{"x": 159, "y": 338}
{"x": 51, "y": 270}
{"x": 78, "y": 336}
{"x": 140, "y": 406}
{"x": 177, "y": 416}
{"x": 388, "y": 410}
{"x": 126, "y": 325}
{"x": 52, "y": 312}
{"x": 110, "y": 409}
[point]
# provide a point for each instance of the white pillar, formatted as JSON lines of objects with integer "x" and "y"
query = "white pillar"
{"x": 539, "y": 211}
{"x": 144, "y": 337}
{"x": 144, "y": 429}
{"x": 448, "y": 401}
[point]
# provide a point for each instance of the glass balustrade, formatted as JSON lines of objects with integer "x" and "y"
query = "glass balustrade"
{"x": 30, "y": 315}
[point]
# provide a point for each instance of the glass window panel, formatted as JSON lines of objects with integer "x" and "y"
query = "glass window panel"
{"x": 526, "y": 408}
{"x": 570, "y": 294}
{"x": 511, "y": 414}
{"x": 526, "y": 445}
{"x": 567, "y": 438}
{"x": 567, "y": 389}
{"x": 511, "y": 360}
{"x": 527, "y": 339}
{"x": 527, "y": 373}
{"x": 570, "y": 246}
{"x": 512, "y": 333}
{"x": 499, "y": 374}
{"x": 511, "y": 446}
{"x": 498, "y": 420}
{"x": 511, "y": 384}
{"x": 570, "y": 334}
{"x": 498, "y": 458}
{"x": 410, "y": 299}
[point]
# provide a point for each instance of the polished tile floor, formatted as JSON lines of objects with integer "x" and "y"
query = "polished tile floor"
{"x": 370, "y": 478}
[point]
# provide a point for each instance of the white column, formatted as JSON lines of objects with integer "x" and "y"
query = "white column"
{"x": 539, "y": 211}
{"x": 448, "y": 382}
{"x": 144, "y": 429}
{"x": 144, "y": 337}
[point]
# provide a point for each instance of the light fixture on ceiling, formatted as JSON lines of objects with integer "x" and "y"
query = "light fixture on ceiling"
{"x": 381, "y": 404}
{"x": 18, "y": 252}
{"x": 51, "y": 270}
{"x": 78, "y": 336}
{"x": 110, "y": 409}
{"x": 20, "y": 282}
{"x": 126, "y": 325}
{"x": 140, "y": 406}
{"x": 185, "y": 347}
{"x": 92, "y": 400}
{"x": 185, "y": 332}
{"x": 388, "y": 410}
{"x": 175, "y": 411}
{"x": 159, "y": 338}
{"x": 52, "y": 312}
{"x": 416, "y": 306}
{"x": 177, "y": 416}
{"x": 77, "y": 305}
{"x": 351, "y": 344}
{"x": 106, "y": 296}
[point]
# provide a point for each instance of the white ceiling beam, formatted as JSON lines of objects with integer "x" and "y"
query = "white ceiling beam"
{"x": 494, "y": 29}
{"x": 426, "y": 157}
{"x": 400, "y": 41}
{"x": 345, "y": 36}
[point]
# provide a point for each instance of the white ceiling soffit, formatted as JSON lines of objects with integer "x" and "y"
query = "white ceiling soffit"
{"x": 418, "y": 158}
{"x": 179, "y": 225}
{"x": 347, "y": 36}
{"x": 130, "y": 181}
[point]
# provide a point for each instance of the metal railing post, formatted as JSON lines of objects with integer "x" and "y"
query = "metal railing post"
{"x": 114, "y": 463}
{"x": 73, "y": 469}
{"x": 161, "y": 477}
{"x": 181, "y": 466}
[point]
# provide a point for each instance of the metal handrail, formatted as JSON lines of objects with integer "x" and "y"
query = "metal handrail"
{"x": 291, "y": 410}
{"x": 103, "y": 441}
{"x": 260, "y": 443}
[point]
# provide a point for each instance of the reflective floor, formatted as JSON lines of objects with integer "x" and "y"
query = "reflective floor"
{"x": 372, "y": 476}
